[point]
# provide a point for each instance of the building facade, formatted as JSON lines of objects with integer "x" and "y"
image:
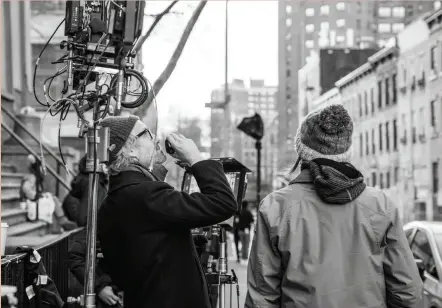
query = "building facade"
{"x": 245, "y": 100}
{"x": 16, "y": 57}
{"x": 323, "y": 70}
{"x": 434, "y": 23}
{"x": 306, "y": 26}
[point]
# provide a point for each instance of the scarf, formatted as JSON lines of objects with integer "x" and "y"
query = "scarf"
{"x": 335, "y": 182}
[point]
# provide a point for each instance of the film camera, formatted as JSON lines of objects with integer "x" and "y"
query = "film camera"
{"x": 102, "y": 40}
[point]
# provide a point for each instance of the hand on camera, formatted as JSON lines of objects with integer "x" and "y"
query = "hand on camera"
{"x": 185, "y": 149}
{"x": 108, "y": 296}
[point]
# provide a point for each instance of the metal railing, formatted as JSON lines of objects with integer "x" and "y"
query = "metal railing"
{"x": 48, "y": 150}
{"x": 53, "y": 255}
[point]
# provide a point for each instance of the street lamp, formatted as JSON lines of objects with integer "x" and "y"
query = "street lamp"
{"x": 254, "y": 127}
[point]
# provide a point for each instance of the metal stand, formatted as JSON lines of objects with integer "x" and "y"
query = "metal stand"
{"x": 221, "y": 278}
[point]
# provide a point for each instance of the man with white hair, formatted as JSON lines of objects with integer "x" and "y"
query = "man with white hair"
{"x": 144, "y": 224}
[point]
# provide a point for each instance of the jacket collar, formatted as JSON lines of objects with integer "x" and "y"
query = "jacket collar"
{"x": 303, "y": 178}
{"x": 126, "y": 178}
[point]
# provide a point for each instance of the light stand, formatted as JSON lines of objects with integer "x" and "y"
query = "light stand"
{"x": 254, "y": 127}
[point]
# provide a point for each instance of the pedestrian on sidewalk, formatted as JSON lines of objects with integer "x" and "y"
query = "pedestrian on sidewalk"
{"x": 144, "y": 225}
{"x": 245, "y": 222}
{"x": 327, "y": 240}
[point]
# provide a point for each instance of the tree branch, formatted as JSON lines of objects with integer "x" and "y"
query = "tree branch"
{"x": 167, "y": 72}
{"x": 158, "y": 17}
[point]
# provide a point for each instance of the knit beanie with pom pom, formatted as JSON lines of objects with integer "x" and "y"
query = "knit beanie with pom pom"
{"x": 326, "y": 133}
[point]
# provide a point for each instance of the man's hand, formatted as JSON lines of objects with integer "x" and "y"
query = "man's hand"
{"x": 108, "y": 296}
{"x": 185, "y": 149}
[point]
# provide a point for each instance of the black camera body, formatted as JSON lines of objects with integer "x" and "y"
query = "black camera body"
{"x": 101, "y": 34}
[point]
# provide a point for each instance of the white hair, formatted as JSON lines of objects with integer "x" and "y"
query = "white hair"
{"x": 124, "y": 159}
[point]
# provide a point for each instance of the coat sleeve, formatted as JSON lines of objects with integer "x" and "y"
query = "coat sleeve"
{"x": 175, "y": 209}
{"x": 264, "y": 272}
{"x": 76, "y": 263}
{"x": 403, "y": 283}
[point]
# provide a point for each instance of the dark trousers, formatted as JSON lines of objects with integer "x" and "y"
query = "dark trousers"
{"x": 236, "y": 238}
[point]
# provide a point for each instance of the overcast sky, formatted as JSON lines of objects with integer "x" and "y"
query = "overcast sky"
{"x": 253, "y": 29}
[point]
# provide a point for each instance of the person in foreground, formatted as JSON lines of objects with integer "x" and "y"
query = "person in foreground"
{"x": 144, "y": 224}
{"x": 327, "y": 240}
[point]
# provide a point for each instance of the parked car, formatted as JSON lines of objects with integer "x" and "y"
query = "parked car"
{"x": 425, "y": 240}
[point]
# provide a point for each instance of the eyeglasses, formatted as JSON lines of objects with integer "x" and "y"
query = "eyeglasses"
{"x": 146, "y": 130}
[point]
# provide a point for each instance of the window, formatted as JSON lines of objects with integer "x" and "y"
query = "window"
{"x": 437, "y": 5}
{"x": 380, "y": 137}
{"x": 340, "y": 6}
{"x": 372, "y": 100}
{"x": 394, "y": 84}
{"x": 433, "y": 114}
{"x": 367, "y": 144}
{"x": 288, "y": 73}
{"x": 340, "y": 23}
{"x": 360, "y": 105}
{"x": 387, "y": 136}
{"x": 288, "y": 9}
{"x": 289, "y": 47}
{"x": 373, "y": 144}
{"x": 380, "y": 94}
{"x": 384, "y": 12}
{"x": 381, "y": 180}
{"x": 384, "y": 28}
{"x": 387, "y": 178}
{"x": 324, "y": 10}
{"x": 398, "y": 27}
{"x": 325, "y": 25}
{"x": 435, "y": 170}
{"x": 433, "y": 58}
{"x": 361, "y": 144}
{"x": 373, "y": 179}
{"x": 404, "y": 123}
{"x": 358, "y": 24}
{"x": 387, "y": 91}
{"x": 396, "y": 174}
{"x": 288, "y": 22}
{"x": 421, "y": 249}
{"x": 310, "y": 12}
{"x": 309, "y": 44}
{"x": 394, "y": 135}
{"x": 310, "y": 28}
{"x": 366, "y": 102}
{"x": 323, "y": 41}
{"x": 340, "y": 38}
{"x": 399, "y": 11}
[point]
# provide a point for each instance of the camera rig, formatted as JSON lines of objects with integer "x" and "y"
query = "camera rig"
{"x": 100, "y": 75}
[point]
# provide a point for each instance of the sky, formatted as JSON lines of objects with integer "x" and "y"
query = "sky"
{"x": 253, "y": 47}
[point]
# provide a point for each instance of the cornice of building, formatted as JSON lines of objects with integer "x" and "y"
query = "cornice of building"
{"x": 361, "y": 70}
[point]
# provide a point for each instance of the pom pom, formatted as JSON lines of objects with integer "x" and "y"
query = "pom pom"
{"x": 335, "y": 119}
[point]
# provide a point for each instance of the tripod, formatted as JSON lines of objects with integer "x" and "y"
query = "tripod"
{"x": 220, "y": 277}
{"x": 96, "y": 152}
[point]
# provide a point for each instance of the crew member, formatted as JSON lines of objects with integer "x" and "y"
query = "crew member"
{"x": 144, "y": 224}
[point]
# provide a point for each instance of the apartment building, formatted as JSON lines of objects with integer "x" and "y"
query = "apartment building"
{"x": 369, "y": 93}
{"x": 306, "y": 26}
{"x": 323, "y": 69}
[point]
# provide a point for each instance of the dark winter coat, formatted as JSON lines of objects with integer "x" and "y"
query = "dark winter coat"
{"x": 144, "y": 229}
{"x": 80, "y": 190}
{"x": 77, "y": 259}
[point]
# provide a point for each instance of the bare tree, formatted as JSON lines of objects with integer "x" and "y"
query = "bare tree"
{"x": 167, "y": 72}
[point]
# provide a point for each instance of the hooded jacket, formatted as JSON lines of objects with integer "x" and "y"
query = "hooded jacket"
{"x": 327, "y": 241}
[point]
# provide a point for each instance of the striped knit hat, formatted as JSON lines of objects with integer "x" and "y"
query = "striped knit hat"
{"x": 326, "y": 133}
